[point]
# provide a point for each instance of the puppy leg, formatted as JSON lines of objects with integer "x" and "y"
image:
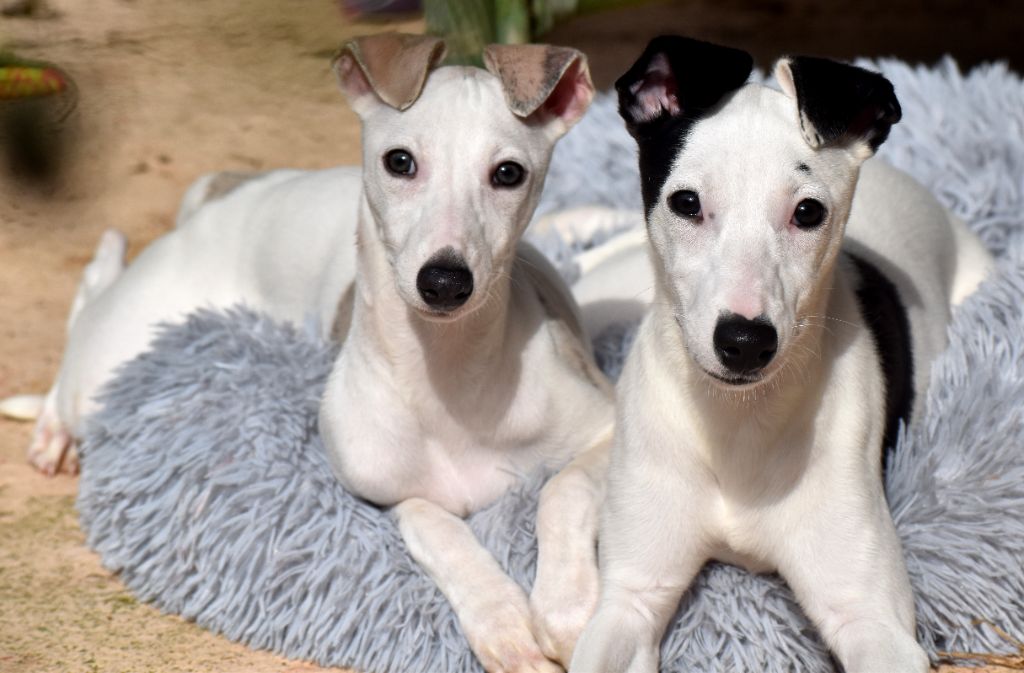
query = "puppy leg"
{"x": 52, "y": 447}
{"x": 565, "y": 589}
{"x": 850, "y": 578}
{"x": 492, "y": 609}
{"x": 649, "y": 556}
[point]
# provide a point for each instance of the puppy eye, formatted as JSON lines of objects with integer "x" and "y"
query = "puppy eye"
{"x": 808, "y": 214}
{"x": 685, "y": 203}
{"x": 508, "y": 174}
{"x": 400, "y": 163}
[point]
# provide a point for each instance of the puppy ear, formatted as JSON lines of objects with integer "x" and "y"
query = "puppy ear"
{"x": 839, "y": 104}
{"x": 390, "y": 68}
{"x": 544, "y": 83}
{"x": 678, "y": 77}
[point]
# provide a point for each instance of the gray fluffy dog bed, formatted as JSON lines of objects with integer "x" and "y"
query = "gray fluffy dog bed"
{"x": 205, "y": 484}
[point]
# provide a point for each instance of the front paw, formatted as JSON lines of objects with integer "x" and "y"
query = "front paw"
{"x": 561, "y": 610}
{"x": 867, "y": 646}
{"x": 501, "y": 637}
{"x": 53, "y": 448}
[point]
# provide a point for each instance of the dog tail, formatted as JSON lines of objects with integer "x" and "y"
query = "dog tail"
{"x": 22, "y": 407}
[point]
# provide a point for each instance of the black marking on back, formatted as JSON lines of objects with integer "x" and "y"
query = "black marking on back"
{"x": 702, "y": 74}
{"x": 886, "y": 317}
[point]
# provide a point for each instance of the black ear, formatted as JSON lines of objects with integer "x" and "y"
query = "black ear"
{"x": 675, "y": 83}
{"x": 678, "y": 77}
{"x": 839, "y": 104}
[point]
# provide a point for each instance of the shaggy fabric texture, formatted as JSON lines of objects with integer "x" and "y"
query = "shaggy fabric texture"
{"x": 206, "y": 487}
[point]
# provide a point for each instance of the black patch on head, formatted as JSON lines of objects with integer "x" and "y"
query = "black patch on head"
{"x": 699, "y": 75}
{"x": 844, "y": 103}
{"x": 886, "y": 316}
{"x": 803, "y": 168}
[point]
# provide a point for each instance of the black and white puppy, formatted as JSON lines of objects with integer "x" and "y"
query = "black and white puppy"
{"x": 795, "y": 316}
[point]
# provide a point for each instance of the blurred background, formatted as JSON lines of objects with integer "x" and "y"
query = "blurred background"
{"x": 920, "y": 31}
{"x": 38, "y": 96}
{"x": 612, "y": 32}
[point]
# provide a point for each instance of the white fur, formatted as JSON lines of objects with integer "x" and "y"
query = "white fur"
{"x": 780, "y": 474}
{"x": 22, "y": 407}
{"x": 437, "y": 415}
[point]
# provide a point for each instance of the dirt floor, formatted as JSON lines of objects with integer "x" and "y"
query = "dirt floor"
{"x": 167, "y": 91}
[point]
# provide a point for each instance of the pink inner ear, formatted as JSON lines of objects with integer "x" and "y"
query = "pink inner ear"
{"x": 351, "y": 77}
{"x": 656, "y": 92}
{"x": 572, "y": 94}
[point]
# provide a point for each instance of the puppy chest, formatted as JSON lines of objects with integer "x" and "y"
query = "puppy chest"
{"x": 742, "y": 537}
{"x": 389, "y": 467}
{"x": 432, "y": 453}
{"x": 756, "y": 497}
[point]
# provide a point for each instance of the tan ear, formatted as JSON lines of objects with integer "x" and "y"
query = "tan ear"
{"x": 392, "y": 66}
{"x": 541, "y": 79}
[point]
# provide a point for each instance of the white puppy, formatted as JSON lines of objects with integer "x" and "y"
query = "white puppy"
{"x": 778, "y": 356}
{"x": 464, "y": 365}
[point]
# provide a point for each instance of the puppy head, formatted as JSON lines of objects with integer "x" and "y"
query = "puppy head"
{"x": 747, "y": 192}
{"x": 454, "y": 158}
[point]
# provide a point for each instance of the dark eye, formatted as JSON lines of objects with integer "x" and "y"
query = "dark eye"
{"x": 400, "y": 162}
{"x": 808, "y": 214}
{"x": 508, "y": 174}
{"x": 685, "y": 203}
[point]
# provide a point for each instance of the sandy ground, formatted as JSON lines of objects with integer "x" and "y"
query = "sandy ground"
{"x": 168, "y": 91}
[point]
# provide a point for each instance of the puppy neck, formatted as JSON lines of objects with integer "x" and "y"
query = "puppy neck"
{"x": 386, "y": 329}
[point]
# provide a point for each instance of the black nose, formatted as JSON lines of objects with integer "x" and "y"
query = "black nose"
{"x": 745, "y": 346}
{"x": 445, "y": 285}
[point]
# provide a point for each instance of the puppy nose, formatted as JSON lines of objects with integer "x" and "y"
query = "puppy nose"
{"x": 745, "y": 346}
{"x": 445, "y": 285}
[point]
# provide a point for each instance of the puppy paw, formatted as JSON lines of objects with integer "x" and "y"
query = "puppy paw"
{"x": 501, "y": 637}
{"x": 52, "y": 448}
{"x": 864, "y": 646}
{"x": 561, "y": 610}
